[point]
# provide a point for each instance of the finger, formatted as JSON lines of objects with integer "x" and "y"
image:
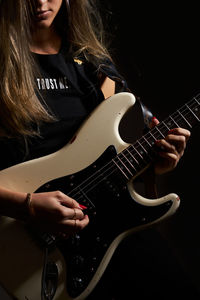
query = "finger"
{"x": 72, "y": 213}
{"x": 70, "y": 227}
{"x": 172, "y": 159}
{"x": 80, "y": 224}
{"x": 179, "y": 141}
{"x": 180, "y": 131}
{"x": 166, "y": 147}
{"x": 68, "y": 201}
{"x": 154, "y": 122}
{"x": 74, "y": 224}
{"x": 78, "y": 214}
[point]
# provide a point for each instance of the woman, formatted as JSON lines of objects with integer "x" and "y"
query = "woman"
{"x": 54, "y": 71}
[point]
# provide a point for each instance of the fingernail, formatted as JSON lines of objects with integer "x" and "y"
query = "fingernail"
{"x": 82, "y": 206}
{"x": 170, "y": 131}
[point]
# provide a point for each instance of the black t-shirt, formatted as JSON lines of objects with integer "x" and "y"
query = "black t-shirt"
{"x": 71, "y": 91}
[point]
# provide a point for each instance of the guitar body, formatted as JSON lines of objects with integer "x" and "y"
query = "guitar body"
{"x": 83, "y": 170}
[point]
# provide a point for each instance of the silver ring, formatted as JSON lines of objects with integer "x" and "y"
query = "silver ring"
{"x": 74, "y": 216}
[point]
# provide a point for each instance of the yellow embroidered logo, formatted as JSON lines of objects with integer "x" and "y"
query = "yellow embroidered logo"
{"x": 78, "y": 61}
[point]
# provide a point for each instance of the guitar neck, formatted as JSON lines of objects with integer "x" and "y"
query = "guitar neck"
{"x": 138, "y": 156}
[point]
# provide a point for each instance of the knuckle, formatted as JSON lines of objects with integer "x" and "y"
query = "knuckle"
{"x": 58, "y": 194}
{"x": 187, "y": 133}
{"x": 58, "y": 211}
{"x": 172, "y": 148}
{"x": 182, "y": 138}
{"x": 80, "y": 214}
{"x": 62, "y": 213}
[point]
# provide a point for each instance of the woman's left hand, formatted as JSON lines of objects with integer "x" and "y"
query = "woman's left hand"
{"x": 171, "y": 148}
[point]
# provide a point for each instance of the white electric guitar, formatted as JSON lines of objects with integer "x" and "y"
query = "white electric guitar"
{"x": 97, "y": 168}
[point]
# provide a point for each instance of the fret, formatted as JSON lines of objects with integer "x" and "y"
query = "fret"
{"x": 155, "y": 135}
{"x": 184, "y": 119}
{"x": 163, "y": 129}
{"x": 150, "y": 150}
{"x": 169, "y": 123}
{"x": 196, "y": 100}
{"x": 142, "y": 151}
{"x": 138, "y": 152}
{"x": 157, "y": 128}
{"x": 121, "y": 169}
{"x": 133, "y": 159}
{"x": 124, "y": 165}
{"x": 132, "y": 156}
{"x": 174, "y": 121}
{"x": 128, "y": 160}
{"x": 193, "y": 113}
{"x": 196, "y": 108}
{"x": 137, "y": 156}
{"x": 165, "y": 126}
{"x": 154, "y": 139}
{"x": 147, "y": 142}
{"x": 186, "y": 112}
{"x": 142, "y": 147}
{"x": 189, "y": 113}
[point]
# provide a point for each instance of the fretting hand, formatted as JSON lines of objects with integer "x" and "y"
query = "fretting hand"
{"x": 171, "y": 148}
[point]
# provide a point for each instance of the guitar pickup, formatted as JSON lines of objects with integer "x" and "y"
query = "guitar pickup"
{"x": 89, "y": 208}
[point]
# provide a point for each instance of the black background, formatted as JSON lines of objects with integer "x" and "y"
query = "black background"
{"x": 156, "y": 48}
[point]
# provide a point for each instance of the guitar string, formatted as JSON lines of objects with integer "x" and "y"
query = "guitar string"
{"x": 102, "y": 173}
{"x": 107, "y": 169}
{"x": 94, "y": 185}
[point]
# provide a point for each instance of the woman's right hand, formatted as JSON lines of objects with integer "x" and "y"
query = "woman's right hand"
{"x": 57, "y": 213}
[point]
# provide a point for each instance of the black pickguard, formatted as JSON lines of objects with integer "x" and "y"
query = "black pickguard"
{"x": 111, "y": 210}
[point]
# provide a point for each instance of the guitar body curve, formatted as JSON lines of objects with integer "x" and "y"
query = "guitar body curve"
{"x": 97, "y": 133}
{"x": 90, "y": 154}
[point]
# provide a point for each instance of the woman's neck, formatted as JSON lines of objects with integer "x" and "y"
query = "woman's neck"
{"x": 45, "y": 42}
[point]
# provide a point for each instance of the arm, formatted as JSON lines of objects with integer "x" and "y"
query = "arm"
{"x": 108, "y": 87}
{"x": 53, "y": 211}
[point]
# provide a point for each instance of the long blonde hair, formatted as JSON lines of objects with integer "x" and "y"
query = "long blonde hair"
{"x": 86, "y": 31}
{"x": 19, "y": 105}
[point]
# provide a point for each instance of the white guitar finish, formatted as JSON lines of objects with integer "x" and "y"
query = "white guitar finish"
{"x": 97, "y": 133}
{"x": 21, "y": 260}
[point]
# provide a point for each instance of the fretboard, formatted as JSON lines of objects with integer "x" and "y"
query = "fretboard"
{"x": 139, "y": 155}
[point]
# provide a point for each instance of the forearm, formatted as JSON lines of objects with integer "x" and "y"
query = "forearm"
{"x": 52, "y": 211}
{"x": 13, "y": 204}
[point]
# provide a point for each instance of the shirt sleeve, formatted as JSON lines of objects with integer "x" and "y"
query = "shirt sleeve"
{"x": 109, "y": 69}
